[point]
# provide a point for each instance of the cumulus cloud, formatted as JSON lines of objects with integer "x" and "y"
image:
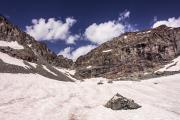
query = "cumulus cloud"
{"x": 74, "y": 54}
{"x": 171, "y": 22}
{"x": 100, "y": 33}
{"x": 103, "y": 32}
{"x": 52, "y": 30}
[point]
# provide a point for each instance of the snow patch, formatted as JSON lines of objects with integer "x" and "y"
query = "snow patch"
{"x": 148, "y": 31}
{"x": 12, "y": 44}
{"x": 174, "y": 66}
{"x": 30, "y": 45}
{"x": 48, "y": 70}
{"x": 125, "y": 37}
{"x": 69, "y": 73}
{"x": 14, "y": 61}
{"x": 33, "y": 64}
{"x": 11, "y": 60}
{"x": 88, "y": 67}
{"x": 107, "y": 50}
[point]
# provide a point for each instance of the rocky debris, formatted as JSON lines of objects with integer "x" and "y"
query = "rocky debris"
{"x": 39, "y": 69}
{"x": 63, "y": 62}
{"x": 10, "y": 68}
{"x": 110, "y": 81}
{"x": 25, "y": 54}
{"x": 131, "y": 55}
{"x": 118, "y": 102}
{"x": 100, "y": 82}
{"x": 33, "y": 50}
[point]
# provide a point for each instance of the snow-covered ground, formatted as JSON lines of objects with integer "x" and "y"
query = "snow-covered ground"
{"x": 34, "y": 97}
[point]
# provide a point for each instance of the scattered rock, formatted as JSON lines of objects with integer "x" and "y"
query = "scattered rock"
{"x": 110, "y": 81}
{"x": 100, "y": 83}
{"x": 118, "y": 102}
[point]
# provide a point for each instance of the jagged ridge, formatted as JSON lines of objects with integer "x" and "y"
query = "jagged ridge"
{"x": 131, "y": 54}
{"x": 33, "y": 51}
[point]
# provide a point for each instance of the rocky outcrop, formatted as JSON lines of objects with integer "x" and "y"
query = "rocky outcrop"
{"x": 63, "y": 62}
{"x": 118, "y": 102}
{"x": 33, "y": 51}
{"x": 131, "y": 55}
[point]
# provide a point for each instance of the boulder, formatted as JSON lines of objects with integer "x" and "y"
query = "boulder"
{"x": 118, "y": 102}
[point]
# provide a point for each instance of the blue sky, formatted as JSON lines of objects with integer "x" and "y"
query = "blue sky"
{"x": 77, "y": 26}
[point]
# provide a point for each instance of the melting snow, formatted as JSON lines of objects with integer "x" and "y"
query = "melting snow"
{"x": 34, "y": 97}
{"x": 30, "y": 45}
{"x": 148, "y": 31}
{"x": 69, "y": 73}
{"x": 107, "y": 50}
{"x": 11, "y": 60}
{"x": 12, "y": 44}
{"x": 125, "y": 37}
{"x": 48, "y": 70}
{"x": 174, "y": 66}
{"x": 14, "y": 61}
{"x": 88, "y": 67}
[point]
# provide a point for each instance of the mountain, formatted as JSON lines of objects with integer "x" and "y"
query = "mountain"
{"x": 131, "y": 55}
{"x": 21, "y": 53}
{"x": 32, "y": 50}
{"x": 33, "y": 82}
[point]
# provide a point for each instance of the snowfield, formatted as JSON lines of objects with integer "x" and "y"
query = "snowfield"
{"x": 34, "y": 97}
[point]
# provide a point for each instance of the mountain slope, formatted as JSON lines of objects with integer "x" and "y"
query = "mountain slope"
{"x": 20, "y": 53}
{"x": 131, "y": 54}
{"x": 31, "y": 50}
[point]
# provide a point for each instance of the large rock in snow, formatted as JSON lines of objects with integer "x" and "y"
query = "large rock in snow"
{"x": 118, "y": 102}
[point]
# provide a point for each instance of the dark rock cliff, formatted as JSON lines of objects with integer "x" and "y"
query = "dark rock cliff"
{"x": 131, "y": 54}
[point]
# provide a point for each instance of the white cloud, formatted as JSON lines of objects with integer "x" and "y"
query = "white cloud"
{"x": 74, "y": 54}
{"x": 104, "y": 31}
{"x": 52, "y": 30}
{"x": 100, "y": 33}
{"x": 124, "y": 15}
{"x": 171, "y": 22}
{"x": 72, "y": 38}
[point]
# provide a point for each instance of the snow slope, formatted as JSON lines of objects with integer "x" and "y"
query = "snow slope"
{"x": 12, "y": 44}
{"x": 174, "y": 66}
{"x": 34, "y": 97}
{"x": 11, "y": 60}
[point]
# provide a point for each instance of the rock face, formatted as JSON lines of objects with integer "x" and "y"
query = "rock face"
{"x": 118, "y": 102}
{"x": 63, "y": 62}
{"x": 33, "y": 51}
{"x": 131, "y": 54}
